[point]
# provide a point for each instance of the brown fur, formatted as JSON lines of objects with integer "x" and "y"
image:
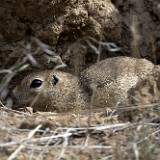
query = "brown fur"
{"x": 49, "y": 97}
{"x": 109, "y": 80}
{"x": 113, "y": 77}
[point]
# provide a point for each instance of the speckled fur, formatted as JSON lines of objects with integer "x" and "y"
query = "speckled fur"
{"x": 65, "y": 95}
{"x": 110, "y": 79}
{"x": 113, "y": 77}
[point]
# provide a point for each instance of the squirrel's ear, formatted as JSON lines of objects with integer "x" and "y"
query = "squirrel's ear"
{"x": 55, "y": 79}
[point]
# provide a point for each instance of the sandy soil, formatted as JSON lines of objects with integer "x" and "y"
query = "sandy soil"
{"x": 66, "y": 25}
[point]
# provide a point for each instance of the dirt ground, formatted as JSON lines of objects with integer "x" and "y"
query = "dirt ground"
{"x": 36, "y": 35}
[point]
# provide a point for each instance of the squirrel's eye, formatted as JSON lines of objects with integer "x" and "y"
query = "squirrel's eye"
{"x": 55, "y": 80}
{"x": 36, "y": 83}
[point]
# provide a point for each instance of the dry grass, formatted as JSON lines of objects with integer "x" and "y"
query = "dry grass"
{"x": 56, "y": 136}
{"x": 92, "y": 134}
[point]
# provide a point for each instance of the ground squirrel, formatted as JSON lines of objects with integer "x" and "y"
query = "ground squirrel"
{"x": 110, "y": 79}
{"x": 49, "y": 91}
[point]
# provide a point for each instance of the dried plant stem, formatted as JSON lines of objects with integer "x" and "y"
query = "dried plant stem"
{"x": 16, "y": 152}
